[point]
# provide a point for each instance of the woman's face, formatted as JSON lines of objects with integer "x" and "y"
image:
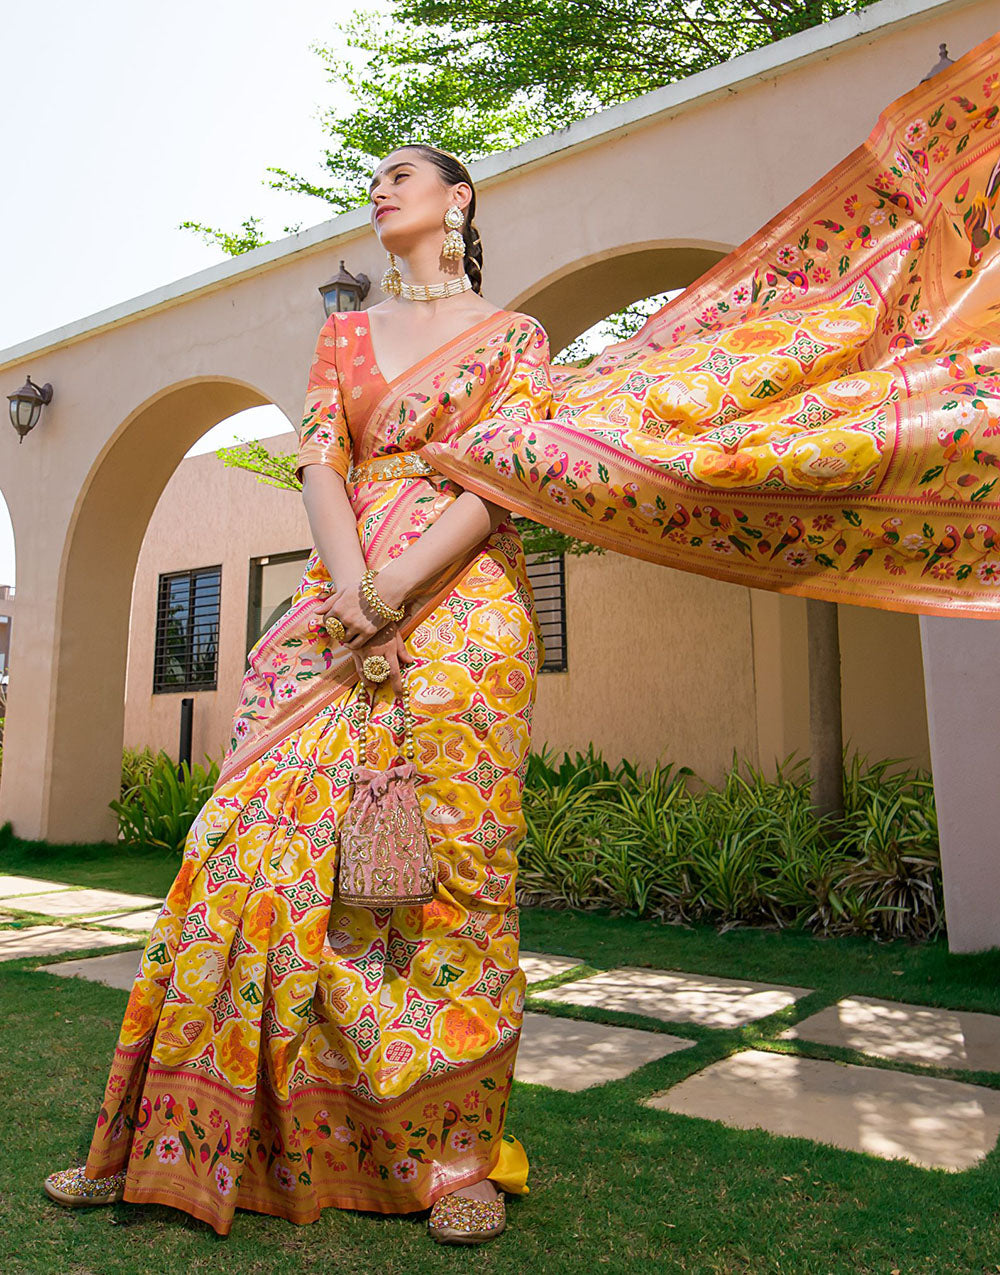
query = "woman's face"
{"x": 409, "y": 200}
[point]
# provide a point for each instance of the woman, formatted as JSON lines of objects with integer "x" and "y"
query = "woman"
{"x": 814, "y": 416}
{"x": 279, "y": 1053}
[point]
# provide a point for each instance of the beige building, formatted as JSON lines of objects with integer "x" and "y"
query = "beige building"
{"x": 658, "y": 663}
{"x": 643, "y": 662}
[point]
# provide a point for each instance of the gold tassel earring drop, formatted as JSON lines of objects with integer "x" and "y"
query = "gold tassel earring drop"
{"x": 453, "y": 248}
{"x": 392, "y": 280}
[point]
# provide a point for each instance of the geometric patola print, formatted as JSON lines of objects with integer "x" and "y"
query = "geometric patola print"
{"x": 303, "y": 895}
{"x": 222, "y": 868}
{"x": 222, "y": 1008}
{"x": 479, "y": 716}
{"x": 476, "y": 658}
{"x": 728, "y": 436}
{"x": 489, "y": 834}
{"x": 728, "y": 409}
{"x": 461, "y": 608}
{"x": 496, "y": 883}
{"x": 195, "y": 928}
{"x": 721, "y": 364}
{"x": 639, "y": 382}
{"x": 476, "y": 929}
{"x": 484, "y": 774}
{"x": 371, "y": 967}
{"x": 283, "y": 960}
{"x": 400, "y": 954}
{"x": 418, "y": 1013}
{"x": 812, "y": 414}
{"x": 492, "y": 981}
{"x": 363, "y": 1034}
{"x": 294, "y": 996}
{"x": 806, "y": 349}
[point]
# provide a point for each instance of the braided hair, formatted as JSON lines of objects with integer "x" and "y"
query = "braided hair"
{"x": 452, "y": 172}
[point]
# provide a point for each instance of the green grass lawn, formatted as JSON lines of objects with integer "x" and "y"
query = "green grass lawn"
{"x": 613, "y": 1185}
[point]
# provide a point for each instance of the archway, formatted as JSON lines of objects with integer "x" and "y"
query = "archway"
{"x": 581, "y": 293}
{"x": 106, "y": 532}
{"x": 220, "y": 559}
{"x": 7, "y": 583}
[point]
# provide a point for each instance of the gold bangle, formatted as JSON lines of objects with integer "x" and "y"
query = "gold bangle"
{"x": 380, "y": 607}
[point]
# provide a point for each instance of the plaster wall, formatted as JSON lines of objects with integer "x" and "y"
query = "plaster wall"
{"x": 662, "y": 665}
{"x": 663, "y": 184}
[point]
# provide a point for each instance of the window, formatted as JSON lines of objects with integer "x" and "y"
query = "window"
{"x": 273, "y": 582}
{"x": 548, "y": 582}
{"x": 187, "y": 631}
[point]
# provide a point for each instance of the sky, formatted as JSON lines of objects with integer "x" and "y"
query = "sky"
{"x": 122, "y": 120}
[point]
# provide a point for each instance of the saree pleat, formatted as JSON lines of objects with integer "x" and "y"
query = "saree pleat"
{"x": 282, "y": 1051}
{"x": 819, "y": 413}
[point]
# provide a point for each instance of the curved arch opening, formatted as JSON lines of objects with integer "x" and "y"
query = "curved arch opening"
{"x": 220, "y": 560}
{"x": 110, "y": 523}
{"x": 583, "y": 293}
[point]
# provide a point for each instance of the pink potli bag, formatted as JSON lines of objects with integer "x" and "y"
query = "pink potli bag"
{"x": 385, "y": 852}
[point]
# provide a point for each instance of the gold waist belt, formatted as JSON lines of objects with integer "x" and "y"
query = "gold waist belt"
{"x": 397, "y": 465}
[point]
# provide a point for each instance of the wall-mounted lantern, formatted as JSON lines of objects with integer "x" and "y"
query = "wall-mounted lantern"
{"x": 26, "y": 406}
{"x": 344, "y": 291}
{"x": 943, "y": 62}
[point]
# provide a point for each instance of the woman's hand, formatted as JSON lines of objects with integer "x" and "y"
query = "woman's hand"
{"x": 388, "y": 643}
{"x": 360, "y": 624}
{"x": 349, "y": 606}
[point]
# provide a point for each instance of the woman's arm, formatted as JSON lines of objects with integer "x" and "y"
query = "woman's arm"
{"x": 333, "y": 525}
{"x": 464, "y": 524}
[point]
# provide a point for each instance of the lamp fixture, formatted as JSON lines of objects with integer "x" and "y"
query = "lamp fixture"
{"x": 344, "y": 291}
{"x": 26, "y": 406}
{"x": 942, "y": 64}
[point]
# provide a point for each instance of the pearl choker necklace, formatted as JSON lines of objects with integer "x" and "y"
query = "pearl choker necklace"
{"x": 431, "y": 291}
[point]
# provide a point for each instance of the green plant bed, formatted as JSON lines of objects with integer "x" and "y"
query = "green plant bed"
{"x": 658, "y": 843}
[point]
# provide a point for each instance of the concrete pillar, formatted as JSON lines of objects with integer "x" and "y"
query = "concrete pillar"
{"x": 963, "y": 710}
{"x": 826, "y": 732}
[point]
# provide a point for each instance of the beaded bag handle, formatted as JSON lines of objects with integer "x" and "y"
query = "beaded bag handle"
{"x": 408, "y": 746}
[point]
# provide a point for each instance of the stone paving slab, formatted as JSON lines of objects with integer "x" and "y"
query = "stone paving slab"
{"x": 676, "y": 997}
{"x": 115, "y": 970}
{"x": 563, "y": 1053}
{"x": 11, "y": 886}
{"x": 73, "y": 902}
{"x": 913, "y": 1033}
{"x": 539, "y": 965}
{"x": 144, "y": 920}
{"x": 937, "y": 1124}
{"x": 51, "y": 940}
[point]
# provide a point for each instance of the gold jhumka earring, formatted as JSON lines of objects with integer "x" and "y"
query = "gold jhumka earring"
{"x": 453, "y": 248}
{"x": 392, "y": 280}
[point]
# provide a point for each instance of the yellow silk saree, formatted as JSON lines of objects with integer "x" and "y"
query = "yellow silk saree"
{"x": 819, "y": 414}
{"x": 284, "y": 1053}
{"x": 816, "y": 415}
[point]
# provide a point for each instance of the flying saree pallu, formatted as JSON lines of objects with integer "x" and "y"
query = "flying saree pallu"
{"x": 819, "y": 414}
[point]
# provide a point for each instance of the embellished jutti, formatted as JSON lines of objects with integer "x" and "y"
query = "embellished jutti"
{"x": 282, "y": 1052}
{"x": 818, "y": 414}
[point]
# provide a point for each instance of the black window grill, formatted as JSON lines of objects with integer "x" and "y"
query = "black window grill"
{"x": 548, "y": 582}
{"x": 187, "y": 631}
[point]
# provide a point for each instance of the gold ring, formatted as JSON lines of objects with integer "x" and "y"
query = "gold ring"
{"x": 376, "y": 668}
{"x": 335, "y": 628}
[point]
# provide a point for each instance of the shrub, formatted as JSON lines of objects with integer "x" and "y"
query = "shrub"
{"x": 158, "y": 810}
{"x": 749, "y": 852}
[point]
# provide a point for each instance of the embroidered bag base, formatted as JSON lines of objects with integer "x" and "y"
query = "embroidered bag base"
{"x": 385, "y": 856}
